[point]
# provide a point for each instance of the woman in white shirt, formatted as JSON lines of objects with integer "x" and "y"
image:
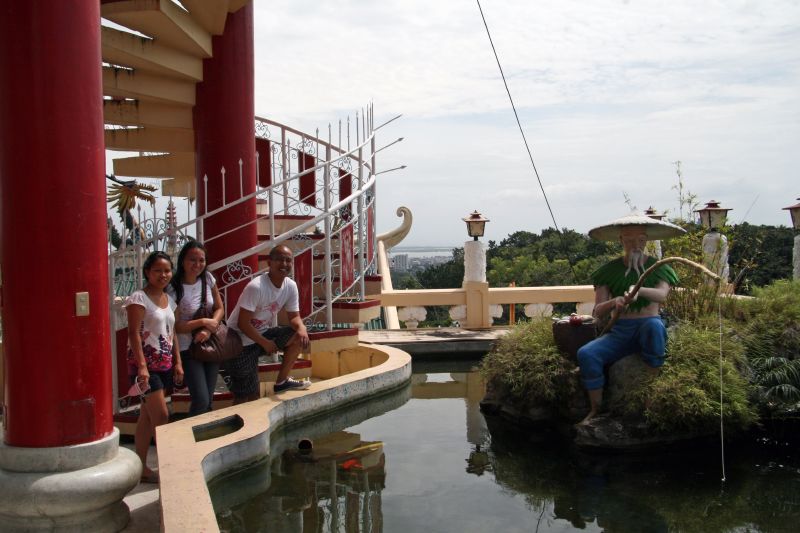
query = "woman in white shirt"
{"x": 154, "y": 361}
{"x": 187, "y": 290}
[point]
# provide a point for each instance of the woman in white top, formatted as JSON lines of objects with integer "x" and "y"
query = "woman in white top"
{"x": 187, "y": 290}
{"x": 154, "y": 359}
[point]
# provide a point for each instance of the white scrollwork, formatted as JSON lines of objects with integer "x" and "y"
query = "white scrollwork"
{"x": 262, "y": 130}
{"x": 236, "y": 271}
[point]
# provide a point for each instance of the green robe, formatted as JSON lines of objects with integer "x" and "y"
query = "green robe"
{"x": 612, "y": 275}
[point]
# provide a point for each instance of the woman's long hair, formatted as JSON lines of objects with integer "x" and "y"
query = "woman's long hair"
{"x": 177, "y": 279}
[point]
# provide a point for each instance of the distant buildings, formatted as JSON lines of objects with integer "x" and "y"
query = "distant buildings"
{"x": 400, "y": 262}
{"x": 406, "y": 263}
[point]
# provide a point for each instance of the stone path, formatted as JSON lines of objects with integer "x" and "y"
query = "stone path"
{"x": 143, "y": 501}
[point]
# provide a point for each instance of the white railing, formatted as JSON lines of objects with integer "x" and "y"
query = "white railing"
{"x": 293, "y": 156}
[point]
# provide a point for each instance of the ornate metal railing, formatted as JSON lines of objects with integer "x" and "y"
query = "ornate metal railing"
{"x": 325, "y": 190}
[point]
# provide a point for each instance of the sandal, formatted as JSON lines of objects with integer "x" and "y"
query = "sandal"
{"x": 152, "y": 477}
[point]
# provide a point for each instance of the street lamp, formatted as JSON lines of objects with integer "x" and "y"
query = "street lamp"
{"x": 715, "y": 244}
{"x": 475, "y": 224}
{"x": 794, "y": 210}
{"x": 712, "y": 216}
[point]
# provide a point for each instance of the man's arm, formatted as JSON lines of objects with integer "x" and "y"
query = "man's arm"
{"x": 245, "y": 326}
{"x": 656, "y": 294}
{"x": 604, "y": 303}
{"x": 300, "y": 329}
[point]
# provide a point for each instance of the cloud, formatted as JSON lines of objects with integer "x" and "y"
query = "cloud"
{"x": 610, "y": 93}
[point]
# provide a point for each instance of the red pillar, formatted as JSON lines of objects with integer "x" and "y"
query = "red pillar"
{"x": 53, "y": 224}
{"x": 224, "y": 133}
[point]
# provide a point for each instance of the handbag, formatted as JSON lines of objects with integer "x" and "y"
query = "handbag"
{"x": 222, "y": 345}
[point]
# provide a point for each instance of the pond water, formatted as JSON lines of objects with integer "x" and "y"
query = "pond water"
{"x": 424, "y": 458}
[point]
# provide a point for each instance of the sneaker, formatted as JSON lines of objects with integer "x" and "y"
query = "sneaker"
{"x": 292, "y": 384}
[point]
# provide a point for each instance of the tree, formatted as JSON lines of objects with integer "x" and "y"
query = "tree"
{"x": 449, "y": 275}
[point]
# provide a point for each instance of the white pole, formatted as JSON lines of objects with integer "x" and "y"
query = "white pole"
{"x": 241, "y": 178}
{"x": 205, "y": 193}
{"x": 328, "y": 277}
{"x": 362, "y": 249}
{"x": 285, "y": 170}
{"x": 224, "y": 198}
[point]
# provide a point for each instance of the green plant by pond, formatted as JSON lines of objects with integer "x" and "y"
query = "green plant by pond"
{"x": 771, "y": 336}
{"x": 528, "y": 363}
{"x": 685, "y": 395}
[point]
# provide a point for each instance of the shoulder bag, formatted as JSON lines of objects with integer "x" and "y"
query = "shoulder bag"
{"x": 222, "y": 345}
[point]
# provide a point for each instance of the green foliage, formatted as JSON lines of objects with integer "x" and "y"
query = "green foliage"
{"x": 528, "y": 363}
{"x": 687, "y": 200}
{"x": 449, "y": 275}
{"x": 404, "y": 280}
{"x": 759, "y": 255}
{"x": 772, "y": 343}
{"x": 551, "y": 244}
{"x": 685, "y": 395}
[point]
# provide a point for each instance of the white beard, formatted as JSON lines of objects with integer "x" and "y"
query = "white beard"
{"x": 636, "y": 259}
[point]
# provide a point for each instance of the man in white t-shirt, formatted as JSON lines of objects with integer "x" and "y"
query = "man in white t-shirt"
{"x": 255, "y": 317}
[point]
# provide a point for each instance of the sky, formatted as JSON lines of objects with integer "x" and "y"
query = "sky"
{"x": 610, "y": 94}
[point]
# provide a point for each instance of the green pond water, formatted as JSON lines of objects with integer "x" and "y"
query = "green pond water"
{"x": 424, "y": 458}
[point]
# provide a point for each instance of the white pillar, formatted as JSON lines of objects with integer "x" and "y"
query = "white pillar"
{"x": 715, "y": 254}
{"x": 474, "y": 261}
{"x": 796, "y": 257}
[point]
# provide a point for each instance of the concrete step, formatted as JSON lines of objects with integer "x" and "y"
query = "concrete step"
{"x": 147, "y": 55}
{"x": 267, "y": 373}
{"x": 165, "y": 22}
{"x": 180, "y": 400}
{"x": 150, "y": 139}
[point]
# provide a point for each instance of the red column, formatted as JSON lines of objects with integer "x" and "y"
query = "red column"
{"x": 224, "y": 133}
{"x": 53, "y": 224}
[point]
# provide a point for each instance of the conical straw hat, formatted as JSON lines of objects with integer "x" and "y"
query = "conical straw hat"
{"x": 655, "y": 229}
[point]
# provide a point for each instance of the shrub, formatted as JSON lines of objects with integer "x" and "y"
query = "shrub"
{"x": 772, "y": 344}
{"x": 527, "y": 362}
{"x": 685, "y": 395}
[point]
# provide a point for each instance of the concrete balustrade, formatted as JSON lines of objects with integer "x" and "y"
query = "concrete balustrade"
{"x": 478, "y": 299}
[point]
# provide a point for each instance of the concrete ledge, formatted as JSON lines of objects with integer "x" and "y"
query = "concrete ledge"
{"x": 186, "y": 466}
{"x": 59, "y": 458}
{"x": 89, "y": 499}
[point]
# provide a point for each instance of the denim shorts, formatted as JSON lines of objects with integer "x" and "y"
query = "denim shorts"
{"x": 158, "y": 381}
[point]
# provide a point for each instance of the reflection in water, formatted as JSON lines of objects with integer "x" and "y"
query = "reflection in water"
{"x": 424, "y": 459}
{"x": 336, "y": 486}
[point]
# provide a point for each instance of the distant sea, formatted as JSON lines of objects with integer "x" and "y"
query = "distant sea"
{"x": 423, "y": 251}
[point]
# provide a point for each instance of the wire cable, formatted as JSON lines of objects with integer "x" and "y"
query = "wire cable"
{"x": 525, "y": 140}
{"x": 721, "y": 422}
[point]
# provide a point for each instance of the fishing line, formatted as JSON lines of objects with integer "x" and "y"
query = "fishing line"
{"x": 721, "y": 421}
{"x": 527, "y": 147}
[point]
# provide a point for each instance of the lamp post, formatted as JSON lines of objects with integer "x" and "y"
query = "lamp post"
{"x": 474, "y": 252}
{"x": 712, "y": 216}
{"x": 715, "y": 244}
{"x": 476, "y": 223}
{"x": 475, "y": 285}
{"x": 794, "y": 211}
{"x": 654, "y": 247}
